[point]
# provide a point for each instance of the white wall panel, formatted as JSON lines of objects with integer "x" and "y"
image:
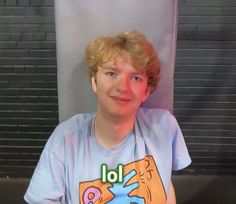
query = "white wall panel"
{"x": 78, "y": 21}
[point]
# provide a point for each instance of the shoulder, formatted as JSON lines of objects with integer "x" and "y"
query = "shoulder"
{"x": 154, "y": 115}
{"x": 157, "y": 121}
{"x": 76, "y": 122}
{"x": 70, "y": 128}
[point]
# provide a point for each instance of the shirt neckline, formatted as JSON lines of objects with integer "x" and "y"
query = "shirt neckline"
{"x": 109, "y": 150}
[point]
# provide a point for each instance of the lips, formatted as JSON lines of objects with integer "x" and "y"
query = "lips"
{"x": 121, "y": 99}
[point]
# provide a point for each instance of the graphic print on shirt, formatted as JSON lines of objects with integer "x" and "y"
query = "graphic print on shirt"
{"x": 141, "y": 185}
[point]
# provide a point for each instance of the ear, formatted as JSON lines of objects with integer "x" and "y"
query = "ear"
{"x": 94, "y": 84}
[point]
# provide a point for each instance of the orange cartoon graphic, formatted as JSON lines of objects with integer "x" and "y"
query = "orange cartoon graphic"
{"x": 141, "y": 185}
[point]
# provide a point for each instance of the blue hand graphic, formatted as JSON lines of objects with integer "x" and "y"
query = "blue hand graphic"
{"x": 121, "y": 191}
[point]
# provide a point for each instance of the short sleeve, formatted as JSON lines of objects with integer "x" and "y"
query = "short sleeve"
{"x": 47, "y": 183}
{"x": 180, "y": 155}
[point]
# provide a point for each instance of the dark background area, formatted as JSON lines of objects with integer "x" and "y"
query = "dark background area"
{"x": 205, "y": 84}
{"x": 28, "y": 83}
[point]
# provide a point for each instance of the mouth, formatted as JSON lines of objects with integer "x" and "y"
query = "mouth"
{"x": 121, "y": 99}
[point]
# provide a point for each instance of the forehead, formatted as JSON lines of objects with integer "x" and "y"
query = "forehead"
{"x": 119, "y": 61}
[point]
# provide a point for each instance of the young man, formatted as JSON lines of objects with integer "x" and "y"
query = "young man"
{"x": 121, "y": 153}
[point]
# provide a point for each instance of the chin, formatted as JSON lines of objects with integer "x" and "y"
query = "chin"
{"x": 123, "y": 113}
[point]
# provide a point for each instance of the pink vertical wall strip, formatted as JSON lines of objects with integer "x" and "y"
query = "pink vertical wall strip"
{"x": 78, "y": 21}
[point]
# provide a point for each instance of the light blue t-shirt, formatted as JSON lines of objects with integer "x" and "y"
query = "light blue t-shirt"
{"x": 69, "y": 169}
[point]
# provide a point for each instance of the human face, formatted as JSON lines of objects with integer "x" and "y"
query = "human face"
{"x": 120, "y": 88}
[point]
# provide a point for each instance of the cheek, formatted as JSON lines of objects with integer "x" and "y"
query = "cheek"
{"x": 140, "y": 90}
{"x": 103, "y": 88}
{"x": 143, "y": 95}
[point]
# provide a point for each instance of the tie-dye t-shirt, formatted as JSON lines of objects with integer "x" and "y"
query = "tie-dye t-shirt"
{"x": 69, "y": 169}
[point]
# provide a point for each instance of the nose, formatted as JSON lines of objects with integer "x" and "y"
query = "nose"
{"x": 123, "y": 85}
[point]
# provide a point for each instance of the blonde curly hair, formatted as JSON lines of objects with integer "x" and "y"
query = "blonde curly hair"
{"x": 132, "y": 46}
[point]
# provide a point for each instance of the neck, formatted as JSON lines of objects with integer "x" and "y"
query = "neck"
{"x": 111, "y": 131}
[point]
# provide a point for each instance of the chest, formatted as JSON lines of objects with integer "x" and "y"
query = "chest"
{"x": 141, "y": 181}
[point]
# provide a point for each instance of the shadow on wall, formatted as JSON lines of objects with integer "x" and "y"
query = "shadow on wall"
{"x": 189, "y": 190}
{"x": 205, "y": 189}
{"x": 13, "y": 190}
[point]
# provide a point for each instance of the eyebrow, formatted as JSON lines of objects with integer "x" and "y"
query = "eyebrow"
{"x": 111, "y": 68}
{"x": 115, "y": 69}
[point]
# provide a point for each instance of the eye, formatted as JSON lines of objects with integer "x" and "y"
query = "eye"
{"x": 137, "y": 78}
{"x": 111, "y": 74}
